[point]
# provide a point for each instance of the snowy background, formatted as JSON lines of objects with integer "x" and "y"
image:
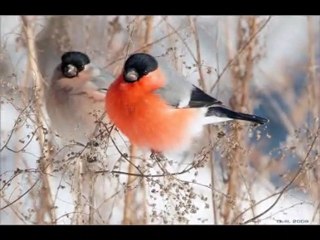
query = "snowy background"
{"x": 235, "y": 173}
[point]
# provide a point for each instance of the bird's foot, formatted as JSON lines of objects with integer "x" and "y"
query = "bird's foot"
{"x": 160, "y": 159}
{"x": 158, "y": 156}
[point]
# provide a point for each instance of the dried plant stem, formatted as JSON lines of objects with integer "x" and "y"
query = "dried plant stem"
{"x": 171, "y": 42}
{"x": 212, "y": 170}
{"x": 148, "y": 34}
{"x": 144, "y": 187}
{"x": 198, "y": 52}
{"x": 313, "y": 87}
{"x": 46, "y": 200}
{"x": 129, "y": 194}
{"x": 130, "y": 202}
{"x": 231, "y": 61}
{"x": 17, "y": 213}
{"x": 175, "y": 31}
{"x": 289, "y": 185}
{"x": 92, "y": 194}
{"x": 79, "y": 209}
{"x": 147, "y": 40}
{"x": 241, "y": 72}
{"x": 313, "y": 93}
{"x": 230, "y": 202}
{"x": 202, "y": 83}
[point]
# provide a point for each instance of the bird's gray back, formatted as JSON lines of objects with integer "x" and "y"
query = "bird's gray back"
{"x": 177, "y": 91}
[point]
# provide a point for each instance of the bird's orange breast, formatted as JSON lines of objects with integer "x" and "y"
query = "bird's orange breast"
{"x": 146, "y": 119}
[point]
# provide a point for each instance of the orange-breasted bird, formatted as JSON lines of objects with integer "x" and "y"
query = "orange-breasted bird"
{"x": 162, "y": 114}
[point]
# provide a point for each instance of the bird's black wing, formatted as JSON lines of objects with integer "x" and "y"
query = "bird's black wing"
{"x": 200, "y": 99}
{"x": 215, "y": 108}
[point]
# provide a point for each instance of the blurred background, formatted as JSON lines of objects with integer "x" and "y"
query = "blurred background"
{"x": 235, "y": 173}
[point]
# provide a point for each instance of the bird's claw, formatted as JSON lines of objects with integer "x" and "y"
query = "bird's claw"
{"x": 158, "y": 156}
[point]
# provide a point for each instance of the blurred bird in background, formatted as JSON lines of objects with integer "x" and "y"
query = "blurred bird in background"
{"x": 74, "y": 101}
{"x": 162, "y": 114}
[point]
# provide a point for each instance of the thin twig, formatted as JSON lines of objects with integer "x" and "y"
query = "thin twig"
{"x": 286, "y": 188}
{"x": 230, "y": 62}
{"x": 21, "y": 196}
{"x": 146, "y": 46}
{"x": 40, "y": 120}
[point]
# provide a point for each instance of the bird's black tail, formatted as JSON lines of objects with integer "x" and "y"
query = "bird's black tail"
{"x": 219, "y": 111}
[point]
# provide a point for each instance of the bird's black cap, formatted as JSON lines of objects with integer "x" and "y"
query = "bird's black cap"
{"x": 76, "y": 60}
{"x": 138, "y": 65}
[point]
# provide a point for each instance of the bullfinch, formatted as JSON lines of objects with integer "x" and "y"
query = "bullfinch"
{"x": 162, "y": 114}
{"x": 73, "y": 100}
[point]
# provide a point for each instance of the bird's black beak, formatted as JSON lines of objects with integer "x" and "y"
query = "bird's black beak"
{"x": 131, "y": 75}
{"x": 70, "y": 71}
